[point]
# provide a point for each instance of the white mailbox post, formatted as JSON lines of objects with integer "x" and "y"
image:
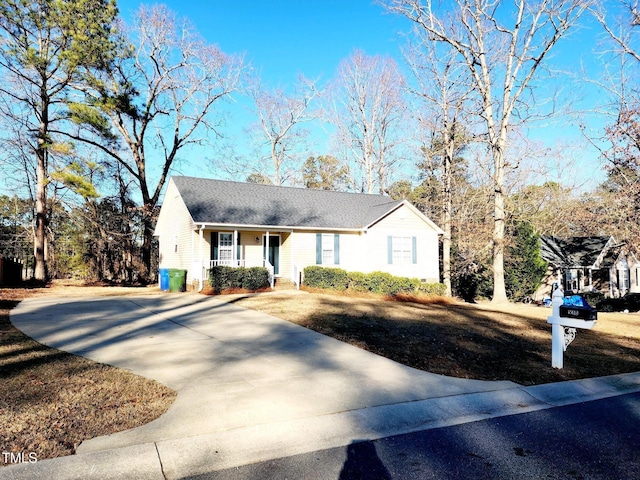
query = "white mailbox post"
{"x": 563, "y": 330}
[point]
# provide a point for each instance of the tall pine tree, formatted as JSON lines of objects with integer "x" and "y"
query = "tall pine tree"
{"x": 45, "y": 47}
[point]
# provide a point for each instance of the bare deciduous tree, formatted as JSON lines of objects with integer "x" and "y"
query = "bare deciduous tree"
{"x": 158, "y": 99}
{"x": 504, "y": 46}
{"x": 444, "y": 92}
{"x": 280, "y": 115}
{"x": 367, "y": 108}
{"x": 622, "y": 135}
{"x": 622, "y": 30}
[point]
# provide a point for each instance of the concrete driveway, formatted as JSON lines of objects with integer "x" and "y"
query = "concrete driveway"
{"x": 251, "y": 387}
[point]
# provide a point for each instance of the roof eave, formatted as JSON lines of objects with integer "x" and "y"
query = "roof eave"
{"x": 276, "y": 227}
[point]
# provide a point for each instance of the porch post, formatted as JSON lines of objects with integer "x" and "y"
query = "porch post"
{"x": 292, "y": 258}
{"x": 201, "y": 275}
{"x": 235, "y": 248}
{"x": 266, "y": 249}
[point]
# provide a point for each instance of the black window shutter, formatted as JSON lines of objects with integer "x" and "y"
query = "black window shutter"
{"x": 214, "y": 245}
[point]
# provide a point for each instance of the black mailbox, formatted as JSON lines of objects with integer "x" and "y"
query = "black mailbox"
{"x": 576, "y": 306}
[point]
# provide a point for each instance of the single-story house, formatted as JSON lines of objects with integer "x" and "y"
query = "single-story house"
{"x": 587, "y": 264}
{"x": 205, "y": 222}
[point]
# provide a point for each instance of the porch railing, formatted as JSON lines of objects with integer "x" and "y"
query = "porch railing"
{"x": 242, "y": 263}
{"x": 227, "y": 263}
{"x": 271, "y": 271}
{"x": 297, "y": 276}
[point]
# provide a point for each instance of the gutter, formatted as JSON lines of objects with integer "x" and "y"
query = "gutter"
{"x": 278, "y": 228}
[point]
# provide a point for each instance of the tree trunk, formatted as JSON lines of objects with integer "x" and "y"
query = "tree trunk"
{"x": 446, "y": 218}
{"x": 499, "y": 290}
{"x": 40, "y": 271}
{"x": 40, "y": 238}
{"x": 276, "y": 165}
{"x": 147, "y": 248}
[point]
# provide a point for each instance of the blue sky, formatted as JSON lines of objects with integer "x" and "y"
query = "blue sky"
{"x": 282, "y": 38}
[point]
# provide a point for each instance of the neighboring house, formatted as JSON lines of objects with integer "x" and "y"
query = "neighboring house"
{"x": 587, "y": 264}
{"x": 205, "y": 222}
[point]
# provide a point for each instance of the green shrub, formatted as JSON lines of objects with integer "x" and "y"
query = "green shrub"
{"x": 381, "y": 283}
{"x": 223, "y": 278}
{"x": 255, "y": 278}
{"x": 524, "y": 267}
{"x": 432, "y": 289}
{"x": 322, "y": 277}
{"x": 384, "y": 283}
{"x": 357, "y": 282}
{"x": 376, "y": 282}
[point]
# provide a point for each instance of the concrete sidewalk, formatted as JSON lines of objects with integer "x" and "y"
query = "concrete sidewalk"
{"x": 252, "y": 387}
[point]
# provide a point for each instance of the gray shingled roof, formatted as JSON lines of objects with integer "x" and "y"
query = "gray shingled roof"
{"x": 572, "y": 252}
{"x": 224, "y": 202}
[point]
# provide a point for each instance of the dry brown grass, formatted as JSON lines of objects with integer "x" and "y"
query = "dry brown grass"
{"x": 50, "y": 401}
{"x": 511, "y": 342}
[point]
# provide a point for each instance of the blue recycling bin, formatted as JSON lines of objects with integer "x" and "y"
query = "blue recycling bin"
{"x": 164, "y": 279}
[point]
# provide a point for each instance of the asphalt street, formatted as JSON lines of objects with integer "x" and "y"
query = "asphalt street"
{"x": 590, "y": 440}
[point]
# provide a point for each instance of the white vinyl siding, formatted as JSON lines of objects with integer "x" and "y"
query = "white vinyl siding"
{"x": 175, "y": 230}
{"x": 419, "y": 259}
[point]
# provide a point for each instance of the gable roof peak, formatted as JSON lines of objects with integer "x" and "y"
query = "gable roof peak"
{"x": 572, "y": 252}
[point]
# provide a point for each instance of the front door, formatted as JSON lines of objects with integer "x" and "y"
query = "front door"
{"x": 274, "y": 251}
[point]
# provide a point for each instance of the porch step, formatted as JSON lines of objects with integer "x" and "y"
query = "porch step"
{"x": 283, "y": 284}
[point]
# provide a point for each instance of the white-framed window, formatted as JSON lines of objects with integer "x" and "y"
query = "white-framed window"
{"x": 225, "y": 248}
{"x": 401, "y": 250}
{"x": 624, "y": 279}
{"x": 327, "y": 248}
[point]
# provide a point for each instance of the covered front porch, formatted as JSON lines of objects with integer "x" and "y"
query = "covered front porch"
{"x": 243, "y": 247}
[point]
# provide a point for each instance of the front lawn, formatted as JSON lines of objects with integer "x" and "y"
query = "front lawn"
{"x": 511, "y": 342}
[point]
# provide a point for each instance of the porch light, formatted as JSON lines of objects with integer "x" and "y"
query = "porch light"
{"x": 257, "y": 240}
